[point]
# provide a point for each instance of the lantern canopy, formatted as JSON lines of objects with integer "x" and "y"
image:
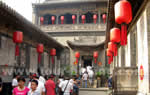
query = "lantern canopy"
{"x": 95, "y": 18}
{"x": 123, "y": 16}
{"x": 40, "y": 50}
{"x": 53, "y": 53}
{"x": 53, "y": 19}
{"x": 41, "y": 20}
{"x": 73, "y": 18}
{"x": 104, "y": 18}
{"x": 17, "y": 38}
{"x": 115, "y": 35}
{"x": 62, "y": 19}
{"x": 83, "y": 18}
{"x": 95, "y": 55}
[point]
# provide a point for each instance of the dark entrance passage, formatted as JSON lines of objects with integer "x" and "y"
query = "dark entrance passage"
{"x": 87, "y": 61}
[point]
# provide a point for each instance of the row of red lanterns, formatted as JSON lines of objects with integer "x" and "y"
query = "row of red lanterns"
{"x": 83, "y": 17}
{"x": 123, "y": 16}
{"x": 18, "y": 39}
{"x": 95, "y": 56}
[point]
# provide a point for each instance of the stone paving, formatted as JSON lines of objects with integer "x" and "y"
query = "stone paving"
{"x": 94, "y": 91}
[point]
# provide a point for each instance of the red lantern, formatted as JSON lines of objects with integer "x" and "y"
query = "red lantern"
{"x": 123, "y": 16}
{"x": 73, "y": 18}
{"x": 110, "y": 55}
{"x": 40, "y": 50}
{"x": 77, "y": 55}
{"x": 95, "y": 55}
{"x": 83, "y": 19}
{"x": 17, "y": 38}
{"x": 95, "y": 18}
{"x": 104, "y": 18}
{"x": 113, "y": 48}
{"x": 53, "y": 19}
{"x": 53, "y": 53}
{"x": 41, "y": 20}
{"x": 115, "y": 35}
{"x": 62, "y": 19}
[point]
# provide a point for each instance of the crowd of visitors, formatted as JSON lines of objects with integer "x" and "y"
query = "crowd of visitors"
{"x": 38, "y": 85}
{"x": 52, "y": 85}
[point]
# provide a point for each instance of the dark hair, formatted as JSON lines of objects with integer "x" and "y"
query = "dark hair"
{"x": 35, "y": 81}
{"x": 21, "y": 79}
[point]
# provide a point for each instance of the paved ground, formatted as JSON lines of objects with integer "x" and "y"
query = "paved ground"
{"x": 94, "y": 91}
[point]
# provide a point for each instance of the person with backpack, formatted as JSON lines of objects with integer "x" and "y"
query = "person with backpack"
{"x": 66, "y": 86}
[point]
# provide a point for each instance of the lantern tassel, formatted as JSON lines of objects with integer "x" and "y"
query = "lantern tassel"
{"x": 17, "y": 50}
{"x": 104, "y": 21}
{"x": 62, "y": 22}
{"x": 116, "y": 51}
{"x": 41, "y": 22}
{"x": 39, "y": 58}
{"x": 77, "y": 60}
{"x": 52, "y": 22}
{"x": 82, "y": 21}
{"x": 95, "y": 21}
{"x": 109, "y": 60}
{"x": 95, "y": 60}
{"x": 52, "y": 59}
{"x": 123, "y": 34}
{"x": 73, "y": 21}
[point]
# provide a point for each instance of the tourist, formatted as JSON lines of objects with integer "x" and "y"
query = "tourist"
{"x": 20, "y": 89}
{"x": 66, "y": 86}
{"x": 50, "y": 85}
{"x": 110, "y": 81}
{"x": 84, "y": 79}
{"x": 91, "y": 76}
{"x": 34, "y": 85}
{"x": 1, "y": 85}
{"x": 14, "y": 81}
{"x": 41, "y": 87}
{"x": 75, "y": 87}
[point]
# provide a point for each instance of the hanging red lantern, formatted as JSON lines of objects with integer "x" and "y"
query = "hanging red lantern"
{"x": 123, "y": 16}
{"x": 17, "y": 38}
{"x": 113, "y": 48}
{"x": 53, "y": 19}
{"x": 104, "y": 18}
{"x": 95, "y": 18}
{"x": 53, "y": 53}
{"x": 115, "y": 35}
{"x": 73, "y": 18}
{"x": 40, "y": 50}
{"x": 62, "y": 19}
{"x": 110, "y": 55}
{"x": 77, "y": 55}
{"x": 41, "y": 20}
{"x": 95, "y": 55}
{"x": 83, "y": 19}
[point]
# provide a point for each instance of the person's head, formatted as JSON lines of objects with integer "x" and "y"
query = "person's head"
{"x": 34, "y": 84}
{"x": 35, "y": 76}
{"x": 77, "y": 75}
{"x": 52, "y": 77}
{"x": 21, "y": 81}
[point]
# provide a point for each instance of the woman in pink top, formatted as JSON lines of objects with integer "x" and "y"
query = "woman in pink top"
{"x": 21, "y": 89}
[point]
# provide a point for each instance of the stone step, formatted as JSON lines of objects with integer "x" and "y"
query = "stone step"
{"x": 94, "y": 91}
